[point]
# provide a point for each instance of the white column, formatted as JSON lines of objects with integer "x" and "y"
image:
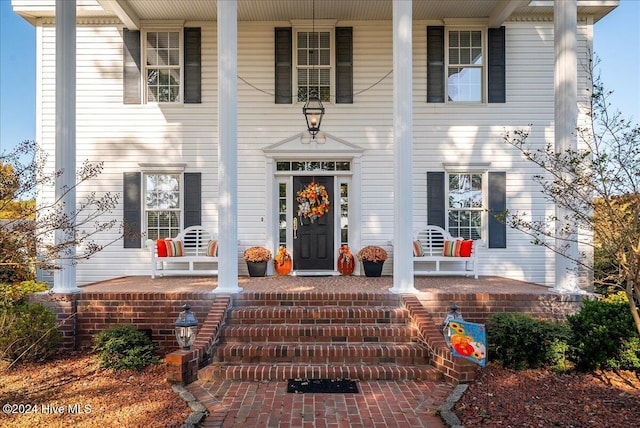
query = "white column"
{"x": 565, "y": 16}
{"x": 228, "y": 147}
{"x": 64, "y": 277}
{"x": 402, "y": 136}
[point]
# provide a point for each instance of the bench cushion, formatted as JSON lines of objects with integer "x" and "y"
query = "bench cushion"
{"x": 418, "y": 251}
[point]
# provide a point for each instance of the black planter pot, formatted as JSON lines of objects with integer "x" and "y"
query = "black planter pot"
{"x": 372, "y": 268}
{"x": 257, "y": 268}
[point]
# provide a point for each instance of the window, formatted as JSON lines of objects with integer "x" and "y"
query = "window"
{"x": 465, "y": 205}
{"x": 344, "y": 214}
{"x": 162, "y": 206}
{"x": 313, "y": 64}
{"x": 282, "y": 214}
{"x": 465, "y": 61}
{"x": 163, "y": 66}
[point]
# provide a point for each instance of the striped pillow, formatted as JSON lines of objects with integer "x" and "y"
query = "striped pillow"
{"x": 418, "y": 251}
{"x": 174, "y": 248}
{"x": 452, "y": 248}
{"x": 212, "y": 249}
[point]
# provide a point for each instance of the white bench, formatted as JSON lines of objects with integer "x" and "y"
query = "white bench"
{"x": 433, "y": 262}
{"x": 194, "y": 261}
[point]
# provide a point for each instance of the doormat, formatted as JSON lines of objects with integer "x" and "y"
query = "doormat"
{"x": 319, "y": 386}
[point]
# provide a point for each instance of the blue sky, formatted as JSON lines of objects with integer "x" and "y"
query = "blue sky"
{"x": 617, "y": 43}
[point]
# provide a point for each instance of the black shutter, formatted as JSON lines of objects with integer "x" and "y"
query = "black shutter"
{"x": 497, "y": 205}
{"x": 344, "y": 65}
{"x": 132, "y": 215}
{"x": 436, "y": 201}
{"x": 435, "y": 64}
{"x": 497, "y": 66}
{"x": 192, "y": 65}
{"x": 131, "y": 71}
{"x": 283, "y": 54}
{"x": 192, "y": 199}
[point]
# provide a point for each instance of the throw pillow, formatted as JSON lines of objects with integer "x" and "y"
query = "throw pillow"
{"x": 161, "y": 248}
{"x": 418, "y": 251}
{"x": 212, "y": 249}
{"x": 174, "y": 248}
{"x": 452, "y": 248}
{"x": 465, "y": 248}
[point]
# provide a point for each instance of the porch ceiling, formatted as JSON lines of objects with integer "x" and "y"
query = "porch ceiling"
{"x": 131, "y": 12}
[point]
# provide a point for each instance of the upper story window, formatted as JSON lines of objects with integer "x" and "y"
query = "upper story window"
{"x": 465, "y": 62}
{"x": 313, "y": 64}
{"x": 163, "y": 66}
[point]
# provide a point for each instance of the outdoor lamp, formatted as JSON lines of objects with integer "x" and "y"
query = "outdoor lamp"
{"x": 313, "y": 111}
{"x": 452, "y": 315}
{"x": 186, "y": 327}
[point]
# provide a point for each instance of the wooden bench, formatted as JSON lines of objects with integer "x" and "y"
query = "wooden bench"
{"x": 433, "y": 262}
{"x": 194, "y": 261}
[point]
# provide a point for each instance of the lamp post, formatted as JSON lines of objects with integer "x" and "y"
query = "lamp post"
{"x": 313, "y": 111}
{"x": 186, "y": 327}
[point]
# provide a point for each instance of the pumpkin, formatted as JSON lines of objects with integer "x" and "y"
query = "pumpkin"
{"x": 346, "y": 263}
{"x": 283, "y": 262}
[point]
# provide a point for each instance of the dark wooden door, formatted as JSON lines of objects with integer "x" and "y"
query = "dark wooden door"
{"x": 313, "y": 241}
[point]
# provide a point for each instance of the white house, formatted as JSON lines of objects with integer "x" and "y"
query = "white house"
{"x": 195, "y": 107}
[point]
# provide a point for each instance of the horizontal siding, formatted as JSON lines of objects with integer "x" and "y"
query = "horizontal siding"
{"x": 124, "y": 135}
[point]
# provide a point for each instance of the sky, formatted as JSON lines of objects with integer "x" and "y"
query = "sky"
{"x": 616, "y": 43}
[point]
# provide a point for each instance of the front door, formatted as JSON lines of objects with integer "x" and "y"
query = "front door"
{"x": 313, "y": 238}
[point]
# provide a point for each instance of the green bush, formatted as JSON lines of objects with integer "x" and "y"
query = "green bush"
{"x": 520, "y": 341}
{"x": 11, "y": 294}
{"x": 28, "y": 331}
{"x": 122, "y": 347}
{"x": 603, "y": 335}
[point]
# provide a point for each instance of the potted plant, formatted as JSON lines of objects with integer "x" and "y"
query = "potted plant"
{"x": 282, "y": 262}
{"x": 372, "y": 258}
{"x": 257, "y": 258}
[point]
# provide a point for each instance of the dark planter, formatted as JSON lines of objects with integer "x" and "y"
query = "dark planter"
{"x": 257, "y": 268}
{"x": 372, "y": 268}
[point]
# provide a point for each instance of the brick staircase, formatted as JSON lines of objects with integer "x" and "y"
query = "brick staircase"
{"x": 279, "y": 336}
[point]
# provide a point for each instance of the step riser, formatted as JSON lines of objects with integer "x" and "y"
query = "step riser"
{"x": 306, "y": 316}
{"x": 320, "y": 334}
{"x": 314, "y": 299}
{"x": 284, "y": 372}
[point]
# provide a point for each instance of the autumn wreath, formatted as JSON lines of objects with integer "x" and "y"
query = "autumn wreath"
{"x": 313, "y": 201}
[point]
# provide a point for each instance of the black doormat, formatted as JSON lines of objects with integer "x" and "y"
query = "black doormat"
{"x": 328, "y": 386}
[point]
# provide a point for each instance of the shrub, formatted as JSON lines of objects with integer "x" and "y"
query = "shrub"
{"x": 520, "y": 341}
{"x": 603, "y": 335}
{"x": 122, "y": 347}
{"x": 28, "y": 331}
{"x": 11, "y": 294}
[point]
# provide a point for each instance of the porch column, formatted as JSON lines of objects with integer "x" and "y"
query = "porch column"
{"x": 228, "y": 147}
{"x": 403, "y": 136}
{"x": 64, "y": 277}
{"x": 565, "y": 16}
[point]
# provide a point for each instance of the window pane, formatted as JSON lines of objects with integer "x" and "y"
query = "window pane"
{"x": 162, "y": 191}
{"x": 464, "y": 84}
{"x": 465, "y": 191}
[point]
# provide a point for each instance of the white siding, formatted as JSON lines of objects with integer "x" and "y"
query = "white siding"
{"x": 124, "y": 135}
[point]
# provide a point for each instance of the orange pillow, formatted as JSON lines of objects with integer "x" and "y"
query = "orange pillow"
{"x": 161, "y": 246}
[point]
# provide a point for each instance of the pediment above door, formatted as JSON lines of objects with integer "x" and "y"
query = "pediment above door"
{"x": 300, "y": 144}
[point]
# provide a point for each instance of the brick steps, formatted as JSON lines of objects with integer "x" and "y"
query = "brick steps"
{"x": 279, "y": 336}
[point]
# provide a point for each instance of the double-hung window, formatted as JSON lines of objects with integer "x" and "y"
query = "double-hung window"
{"x": 465, "y": 65}
{"x": 162, "y": 204}
{"x": 313, "y": 64}
{"x": 163, "y": 66}
{"x": 466, "y": 195}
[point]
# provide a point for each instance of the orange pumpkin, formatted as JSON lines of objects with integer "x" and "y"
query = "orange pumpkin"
{"x": 346, "y": 263}
{"x": 283, "y": 262}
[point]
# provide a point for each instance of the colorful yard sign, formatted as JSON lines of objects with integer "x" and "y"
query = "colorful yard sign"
{"x": 468, "y": 340}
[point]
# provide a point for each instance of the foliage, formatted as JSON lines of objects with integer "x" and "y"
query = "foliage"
{"x": 372, "y": 253}
{"x": 11, "y": 294}
{"x": 520, "y": 341}
{"x": 28, "y": 331}
{"x": 597, "y": 186}
{"x": 257, "y": 254}
{"x": 28, "y": 227}
{"x": 603, "y": 336}
{"x": 122, "y": 347}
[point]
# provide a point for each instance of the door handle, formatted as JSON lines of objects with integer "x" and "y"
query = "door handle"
{"x": 295, "y": 228}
